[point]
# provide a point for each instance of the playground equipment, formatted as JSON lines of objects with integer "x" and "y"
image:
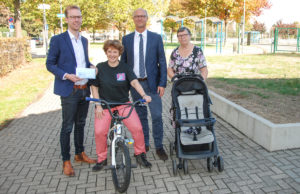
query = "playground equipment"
{"x": 254, "y": 36}
{"x": 286, "y": 40}
{"x": 218, "y": 35}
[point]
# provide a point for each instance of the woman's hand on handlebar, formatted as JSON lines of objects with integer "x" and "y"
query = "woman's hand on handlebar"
{"x": 147, "y": 98}
{"x": 99, "y": 111}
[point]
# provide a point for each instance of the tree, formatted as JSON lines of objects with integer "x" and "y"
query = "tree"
{"x": 226, "y": 9}
{"x": 4, "y": 15}
{"x": 120, "y": 13}
{"x": 260, "y": 27}
{"x": 286, "y": 33}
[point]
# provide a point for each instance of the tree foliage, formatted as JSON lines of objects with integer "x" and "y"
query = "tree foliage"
{"x": 260, "y": 27}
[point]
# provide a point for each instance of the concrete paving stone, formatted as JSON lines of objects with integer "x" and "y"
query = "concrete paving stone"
{"x": 182, "y": 189}
{"x": 14, "y": 188}
{"x": 22, "y": 190}
{"x": 158, "y": 190}
{"x": 233, "y": 187}
{"x": 221, "y": 191}
{"x": 148, "y": 180}
{"x": 195, "y": 184}
{"x": 255, "y": 178}
{"x": 220, "y": 184}
{"x": 170, "y": 186}
{"x": 94, "y": 189}
{"x": 23, "y": 180}
{"x": 271, "y": 188}
{"x": 145, "y": 188}
{"x": 295, "y": 186}
{"x": 80, "y": 191}
{"x": 170, "y": 192}
{"x": 31, "y": 191}
{"x": 62, "y": 186}
{"x": 159, "y": 183}
{"x": 209, "y": 188}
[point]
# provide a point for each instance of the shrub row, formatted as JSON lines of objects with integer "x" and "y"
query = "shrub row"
{"x": 14, "y": 52}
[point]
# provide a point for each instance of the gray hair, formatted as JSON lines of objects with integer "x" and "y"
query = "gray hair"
{"x": 141, "y": 10}
{"x": 182, "y": 29}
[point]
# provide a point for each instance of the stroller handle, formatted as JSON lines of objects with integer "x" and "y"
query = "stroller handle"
{"x": 187, "y": 74}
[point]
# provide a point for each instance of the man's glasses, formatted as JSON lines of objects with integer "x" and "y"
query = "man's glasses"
{"x": 182, "y": 35}
{"x": 75, "y": 17}
{"x": 139, "y": 16}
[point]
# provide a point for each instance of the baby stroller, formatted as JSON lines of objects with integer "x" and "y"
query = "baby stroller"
{"x": 194, "y": 133}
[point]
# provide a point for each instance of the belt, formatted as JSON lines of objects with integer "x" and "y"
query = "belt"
{"x": 80, "y": 87}
{"x": 142, "y": 79}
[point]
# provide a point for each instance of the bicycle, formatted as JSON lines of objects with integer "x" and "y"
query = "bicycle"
{"x": 120, "y": 157}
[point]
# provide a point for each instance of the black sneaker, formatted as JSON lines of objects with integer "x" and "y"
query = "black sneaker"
{"x": 142, "y": 160}
{"x": 162, "y": 154}
{"x": 99, "y": 166}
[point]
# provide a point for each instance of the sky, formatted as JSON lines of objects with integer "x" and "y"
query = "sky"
{"x": 287, "y": 10}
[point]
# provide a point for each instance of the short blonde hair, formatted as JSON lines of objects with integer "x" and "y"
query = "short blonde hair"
{"x": 114, "y": 44}
{"x": 69, "y": 7}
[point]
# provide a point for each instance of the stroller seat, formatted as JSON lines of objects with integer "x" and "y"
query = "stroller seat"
{"x": 191, "y": 107}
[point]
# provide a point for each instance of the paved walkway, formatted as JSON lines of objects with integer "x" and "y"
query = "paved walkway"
{"x": 30, "y": 161}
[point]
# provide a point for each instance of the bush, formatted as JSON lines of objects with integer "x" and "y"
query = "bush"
{"x": 14, "y": 52}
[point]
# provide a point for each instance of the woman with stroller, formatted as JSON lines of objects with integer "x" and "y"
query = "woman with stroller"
{"x": 187, "y": 58}
{"x": 112, "y": 84}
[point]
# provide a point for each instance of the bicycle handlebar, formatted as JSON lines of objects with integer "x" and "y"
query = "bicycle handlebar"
{"x": 108, "y": 104}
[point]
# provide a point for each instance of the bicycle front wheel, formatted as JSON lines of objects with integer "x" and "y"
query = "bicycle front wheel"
{"x": 122, "y": 172}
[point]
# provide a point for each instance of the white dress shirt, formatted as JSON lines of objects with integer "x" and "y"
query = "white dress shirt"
{"x": 136, "y": 68}
{"x": 79, "y": 55}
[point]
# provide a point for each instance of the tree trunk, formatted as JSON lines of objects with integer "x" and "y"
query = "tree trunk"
{"x": 18, "y": 28}
{"x": 93, "y": 35}
{"x": 225, "y": 38}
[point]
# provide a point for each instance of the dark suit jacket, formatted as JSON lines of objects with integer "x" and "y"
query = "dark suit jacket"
{"x": 61, "y": 59}
{"x": 155, "y": 61}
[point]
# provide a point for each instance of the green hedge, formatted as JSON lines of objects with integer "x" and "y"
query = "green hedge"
{"x": 14, "y": 52}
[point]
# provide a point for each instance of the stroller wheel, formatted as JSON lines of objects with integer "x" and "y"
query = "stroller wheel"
{"x": 185, "y": 167}
{"x": 171, "y": 148}
{"x": 220, "y": 163}
{"x": 210, "y": 164}
{"x": 174, "y": 167}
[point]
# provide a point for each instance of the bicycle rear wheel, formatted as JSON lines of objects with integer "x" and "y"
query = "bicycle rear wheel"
{"x": 122, "y": 172}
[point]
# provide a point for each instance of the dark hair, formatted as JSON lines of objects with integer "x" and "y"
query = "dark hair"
{"x": 182, "y": 29}
{"x": 69, "y": 7}
{"x": 114, "y": 44}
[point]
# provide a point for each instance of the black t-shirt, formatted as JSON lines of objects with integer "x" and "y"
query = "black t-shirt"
{"x": 114, "y": 82}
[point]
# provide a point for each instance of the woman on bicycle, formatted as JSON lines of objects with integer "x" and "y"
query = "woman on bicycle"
{"x": 112, "y": 84}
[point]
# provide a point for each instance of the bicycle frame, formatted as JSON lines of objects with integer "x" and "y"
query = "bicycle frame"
{"x": 118, "y": 125}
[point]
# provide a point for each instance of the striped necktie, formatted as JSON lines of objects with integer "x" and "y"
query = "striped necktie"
{"x": 141, "y": 57}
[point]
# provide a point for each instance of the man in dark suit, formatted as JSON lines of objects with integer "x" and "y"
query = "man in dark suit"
{"x": 67, "y": 52}
{"x": 144, "y": 52}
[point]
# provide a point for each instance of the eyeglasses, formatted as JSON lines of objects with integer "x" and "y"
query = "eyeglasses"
{"x": 75, "y": 17}
{"x": 182, "y": 35}
{"x": 139, "y": 16}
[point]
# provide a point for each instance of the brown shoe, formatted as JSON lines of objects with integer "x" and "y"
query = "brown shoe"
{"x": 68, "y": 169}
{"x": 162, "y": 154}
{"x": 82, "y": 157}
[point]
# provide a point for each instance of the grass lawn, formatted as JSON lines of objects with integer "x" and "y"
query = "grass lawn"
{"x": 278, "y": 73}
{"x": 21, "y": 87}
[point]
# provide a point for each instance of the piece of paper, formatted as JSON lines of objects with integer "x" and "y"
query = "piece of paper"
{"x": 86, "y": 73}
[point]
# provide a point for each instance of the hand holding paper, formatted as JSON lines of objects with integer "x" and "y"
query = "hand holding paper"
{"x": 86, "y": 73}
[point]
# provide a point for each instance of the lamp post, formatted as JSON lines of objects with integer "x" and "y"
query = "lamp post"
{"x": 243, "y": 35}
{"x": 45, "y": 34}
{"x": 61, "y": 24}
